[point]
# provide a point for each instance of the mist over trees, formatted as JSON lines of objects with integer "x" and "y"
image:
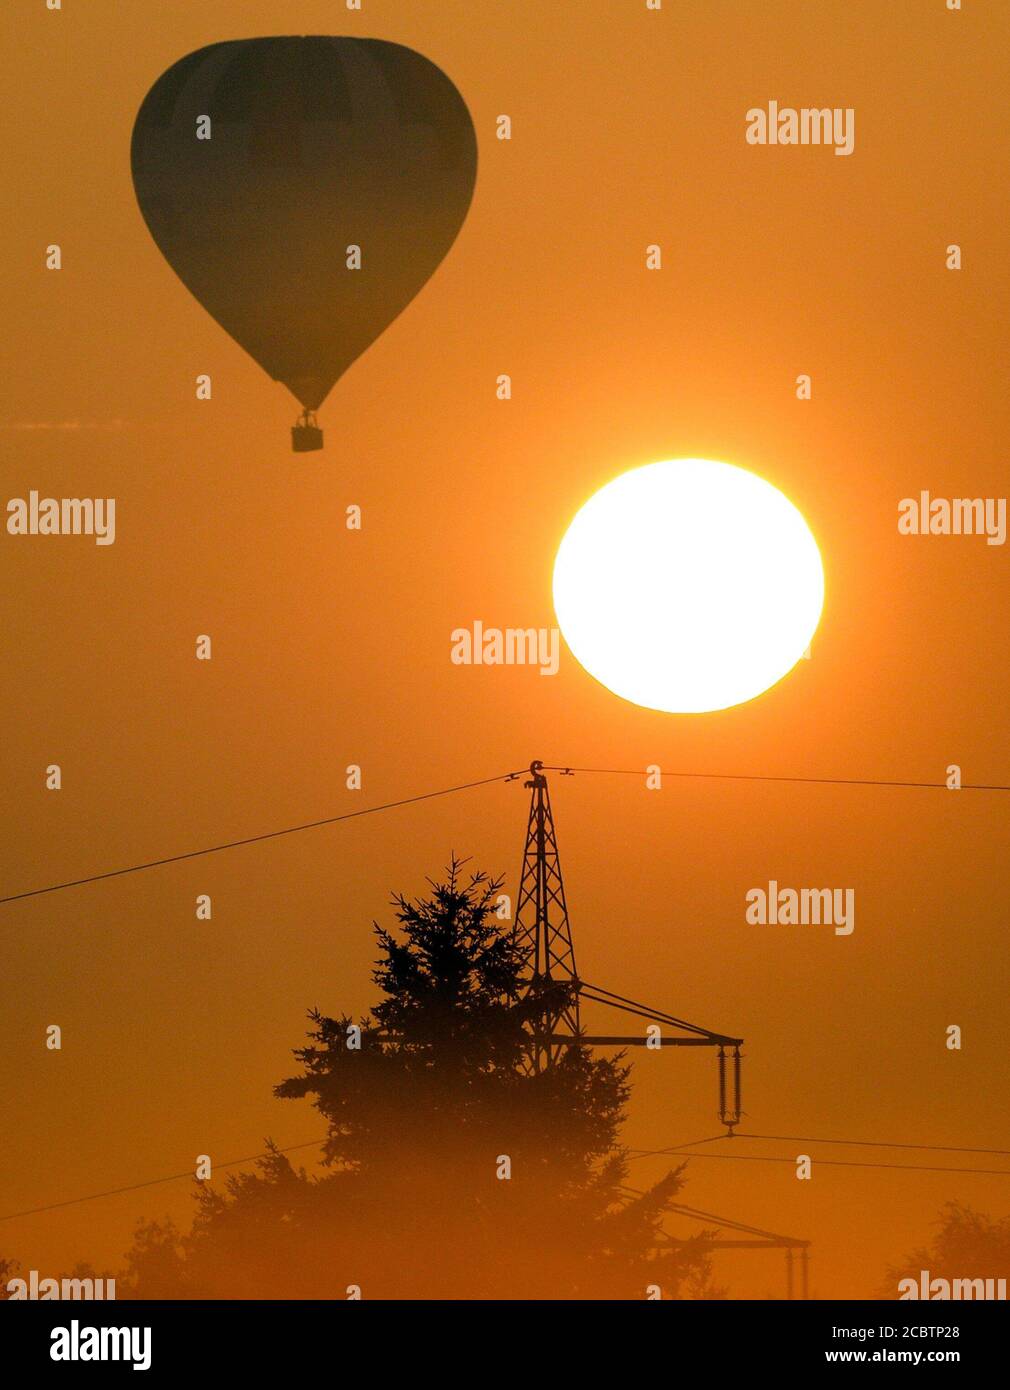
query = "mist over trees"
{"x": 966, "y": 1244}
{"x": 9, "y": 1269}
{"x": 452, "y": 1168}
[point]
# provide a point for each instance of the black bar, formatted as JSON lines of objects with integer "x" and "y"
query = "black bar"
{"x": 255, "y": 1340}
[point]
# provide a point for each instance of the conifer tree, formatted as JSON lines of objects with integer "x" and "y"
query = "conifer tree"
{"x": 453, "y": 1169}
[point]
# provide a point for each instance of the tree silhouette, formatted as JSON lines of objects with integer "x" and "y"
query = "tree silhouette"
{"x": 8, "y": 1271}
{"x": 967, "y": 1245}
{"x": 454, "y": 1170}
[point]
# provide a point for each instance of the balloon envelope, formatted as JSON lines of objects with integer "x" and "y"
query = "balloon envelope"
{"x": 315, "y": 145}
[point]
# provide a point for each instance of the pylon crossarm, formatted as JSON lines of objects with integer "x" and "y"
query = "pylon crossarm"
{"x": 750, "y": 1237}
{"x": 696, "y": 1214}
{"x": 632, "y": 1040}
{"x": 629, "y": 1006}
{"x": 661, "y": 1015}
{"x": 728, "y": 1244}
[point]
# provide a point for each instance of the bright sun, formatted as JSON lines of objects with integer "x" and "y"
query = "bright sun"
{"x": 688, "y": 585}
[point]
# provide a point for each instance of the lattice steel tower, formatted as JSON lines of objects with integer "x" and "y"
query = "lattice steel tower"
{"x": 544, "y": 936}
{"x": 542, "y": 931}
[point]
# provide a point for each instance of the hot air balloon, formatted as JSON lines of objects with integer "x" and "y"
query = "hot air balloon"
{"x": 304, "y": 190}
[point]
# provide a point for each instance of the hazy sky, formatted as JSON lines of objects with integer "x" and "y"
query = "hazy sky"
{"x": 332, "y": 647}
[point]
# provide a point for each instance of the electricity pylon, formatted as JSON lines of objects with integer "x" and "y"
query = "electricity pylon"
{"x": 734, "y": 1235}
{"x": 543, "y": 933}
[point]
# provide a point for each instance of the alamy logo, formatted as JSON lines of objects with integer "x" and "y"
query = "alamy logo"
{"x": 63, "y": 516}
{"x": 939, "y": 1289}
{"x": 953, "y": 516}
{"x": 805, "y": 907}
{"x": 510, "y": 646}
{"x": 77, "y": 1343}
{"x": 807, "y": 125}
{"x": 43, "y": 1289}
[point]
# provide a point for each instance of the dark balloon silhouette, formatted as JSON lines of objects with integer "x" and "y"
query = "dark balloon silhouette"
{"x": 257, "y": 163}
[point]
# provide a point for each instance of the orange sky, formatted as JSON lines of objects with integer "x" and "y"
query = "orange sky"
{"x": 332, "y": 647}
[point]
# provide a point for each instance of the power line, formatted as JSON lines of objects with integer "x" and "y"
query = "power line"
{"x": 466, "y": 786}
{"x": 642, "y": 1153}
{"x": 253, "y": 839}
{"x": 873, "y": 1144}
{"x": 674, "y": 1148}
{"x": 755, "y": 777}
{"x": 808, "y": 1139}
{"x": 831, "y": 1163}
{"x": 154, "y": 1182}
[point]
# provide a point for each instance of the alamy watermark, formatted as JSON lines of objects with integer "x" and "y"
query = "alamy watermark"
{"x": 63, "y": 516}
{"x": 510, "y": 646}
{"x": 36, "y": 1287}
{"x": 935, "y": 1290}
{"x": 77, "y": 1343}
{"x": 804, "y": 125}
{"x": 775, "y": 906}
{"x": 953, "y": 516}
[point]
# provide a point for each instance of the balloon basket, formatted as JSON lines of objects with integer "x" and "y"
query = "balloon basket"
{"x": 306, "y": 434}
